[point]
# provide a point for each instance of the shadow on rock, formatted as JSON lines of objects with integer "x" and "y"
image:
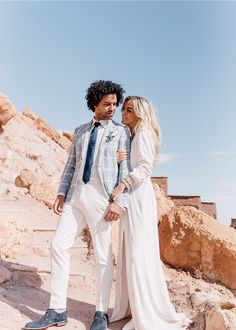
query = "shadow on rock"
{"x": 23, "y": 292}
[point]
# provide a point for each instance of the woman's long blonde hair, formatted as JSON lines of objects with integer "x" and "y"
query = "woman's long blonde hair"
{"x": 146, "y": 114}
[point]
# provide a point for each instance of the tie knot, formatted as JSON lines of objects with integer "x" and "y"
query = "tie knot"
{"x": 97, "y": 123}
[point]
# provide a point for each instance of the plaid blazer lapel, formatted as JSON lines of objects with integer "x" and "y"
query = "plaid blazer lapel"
{"x": 109, "y": 133}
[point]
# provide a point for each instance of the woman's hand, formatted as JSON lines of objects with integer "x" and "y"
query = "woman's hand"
{"x": 118, "y": 191}
{"x": 121, "y": 155}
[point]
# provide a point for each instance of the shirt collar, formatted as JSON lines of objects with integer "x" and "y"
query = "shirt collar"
{"x": 103, "y": 122}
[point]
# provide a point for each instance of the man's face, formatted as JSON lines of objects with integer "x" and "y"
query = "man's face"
{"x": 105, "y": 109}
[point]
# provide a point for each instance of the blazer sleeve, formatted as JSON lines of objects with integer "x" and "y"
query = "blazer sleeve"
{"x": 124, "y": 167}
{"x": 144, "y": 148}
{"x": 69, "y": 169}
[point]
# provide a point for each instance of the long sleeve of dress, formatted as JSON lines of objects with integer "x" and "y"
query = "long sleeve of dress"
{"x": 145, "y": 151}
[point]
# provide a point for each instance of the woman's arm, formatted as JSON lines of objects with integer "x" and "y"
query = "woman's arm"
{"x": 145, "y": 155}
{"x": 124, "y": 168}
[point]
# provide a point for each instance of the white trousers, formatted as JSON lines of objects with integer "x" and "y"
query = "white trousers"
{"x": 88, "y": 206}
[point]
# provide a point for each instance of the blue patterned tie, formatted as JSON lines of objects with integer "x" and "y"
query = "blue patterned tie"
{"x": 90, "y": 152}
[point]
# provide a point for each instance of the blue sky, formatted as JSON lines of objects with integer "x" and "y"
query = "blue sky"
{"x": 180, "y": 55}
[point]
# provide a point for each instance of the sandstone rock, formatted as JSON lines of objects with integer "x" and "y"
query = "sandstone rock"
{"x": 64, "y": 142}
{"x": 164, "y": 204}
{"x": 25, "y": 179}
{"x": 196, "y": 297}
{"x": 30, "y": 114}
{"x": 29, "y": 151}
{"x": 7, "y": 110}
{"x": 221, "y": 319}
{"x": 15, "y": 240}
{"x": 45, "y": 127}
{"x": 68, "y": 135}
{"x": 45, "y": 192}
{"x": 191, "y": 240}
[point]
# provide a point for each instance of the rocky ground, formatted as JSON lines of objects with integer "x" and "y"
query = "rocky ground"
{"x": 25, "y": 276}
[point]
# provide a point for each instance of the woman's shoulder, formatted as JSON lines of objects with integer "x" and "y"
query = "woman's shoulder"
{"x": 145, "y": 137}
{"x": 143, "y": 133}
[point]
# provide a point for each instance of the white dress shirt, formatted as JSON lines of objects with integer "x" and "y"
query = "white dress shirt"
{"x": 101, "y": 130}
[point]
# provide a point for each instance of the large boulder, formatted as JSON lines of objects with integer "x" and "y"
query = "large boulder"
{"x": 192, "y": 240}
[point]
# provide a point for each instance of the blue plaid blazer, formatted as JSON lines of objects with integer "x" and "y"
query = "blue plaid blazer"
{"x": 115, "y": 137}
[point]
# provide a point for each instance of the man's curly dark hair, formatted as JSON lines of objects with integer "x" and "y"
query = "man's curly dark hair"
{"x": 99, "y": 88}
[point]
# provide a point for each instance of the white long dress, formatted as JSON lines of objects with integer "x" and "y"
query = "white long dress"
{"x": 140, "y": 285}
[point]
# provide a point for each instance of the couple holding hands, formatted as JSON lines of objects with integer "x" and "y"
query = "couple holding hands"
{"x": 106, "y": 178}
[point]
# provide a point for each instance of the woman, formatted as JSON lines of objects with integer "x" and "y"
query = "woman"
{"x": 140, "y": 286}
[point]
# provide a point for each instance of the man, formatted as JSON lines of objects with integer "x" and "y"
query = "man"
{"x": 84, "y": 197}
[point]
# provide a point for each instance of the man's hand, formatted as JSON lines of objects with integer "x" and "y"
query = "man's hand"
{"x": 118, "y": 191}
{"x": 58, "y": 204}
{"x": 113, "y": 212}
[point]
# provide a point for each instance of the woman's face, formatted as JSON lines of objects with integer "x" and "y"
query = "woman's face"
{"x": 129, "y": 118}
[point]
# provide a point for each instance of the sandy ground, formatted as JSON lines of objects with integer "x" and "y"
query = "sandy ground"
{"x": 25, "y": 304}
